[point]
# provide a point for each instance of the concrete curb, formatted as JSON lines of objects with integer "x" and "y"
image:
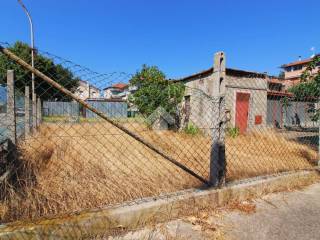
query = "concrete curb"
{"x": 137, "y": 214}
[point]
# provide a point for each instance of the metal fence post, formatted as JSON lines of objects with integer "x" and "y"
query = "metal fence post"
{"x": 217, "y": 157}
{"x": 11, "y": 116}
{"x": 39, "y": 113}
{"x": 27, "y": 111}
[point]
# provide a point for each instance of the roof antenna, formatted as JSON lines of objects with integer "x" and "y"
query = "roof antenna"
{"x": 313, "y": 50}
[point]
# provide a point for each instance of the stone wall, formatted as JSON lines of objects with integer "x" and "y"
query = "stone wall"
{"x": 203, "y": 106}
{"x": 257, "y": 88}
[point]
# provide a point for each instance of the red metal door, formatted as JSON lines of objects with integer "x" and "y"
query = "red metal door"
{"x": 242, "y": 111}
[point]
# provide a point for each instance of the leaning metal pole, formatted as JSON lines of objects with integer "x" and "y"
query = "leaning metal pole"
{"x": 100, "y": 114}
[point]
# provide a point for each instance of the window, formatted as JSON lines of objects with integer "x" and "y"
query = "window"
{"x": 297, "y": 67}
{"x": 288, "y": 69}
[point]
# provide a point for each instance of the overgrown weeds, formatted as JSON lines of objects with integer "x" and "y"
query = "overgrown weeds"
{"x": 89, "y": 165}
{"x": 233, "y": 132}
{"x": 191, "y": 129}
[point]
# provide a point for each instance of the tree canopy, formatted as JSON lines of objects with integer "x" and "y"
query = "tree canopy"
{"x": 309, "y": 88}
{"x": 155, "y": 91}
{"x": 45, "y": 65}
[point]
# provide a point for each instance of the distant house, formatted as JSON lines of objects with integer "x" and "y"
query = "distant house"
{"x": 86, "y": 90}
{"x": 117, "y": 91}
{"x": 293, "y": 71}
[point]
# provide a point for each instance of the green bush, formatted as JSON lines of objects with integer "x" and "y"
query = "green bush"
{"x": 155, "y": 91}
{"x": 233, "y": 132}
{"x": 191, "y": 129}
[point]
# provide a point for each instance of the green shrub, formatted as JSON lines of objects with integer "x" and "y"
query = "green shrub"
{"x": 233, "y": 132}
{"x": 191, "y": 129}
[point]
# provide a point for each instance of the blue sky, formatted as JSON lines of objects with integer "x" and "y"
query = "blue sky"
{"x": 179, "y": 36}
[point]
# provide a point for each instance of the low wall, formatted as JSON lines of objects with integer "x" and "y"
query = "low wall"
{"x": 111, "y": 109}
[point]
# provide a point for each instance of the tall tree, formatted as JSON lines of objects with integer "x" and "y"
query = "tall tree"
{"x": 155, "y": 91}
{"x": 45, "y": 65}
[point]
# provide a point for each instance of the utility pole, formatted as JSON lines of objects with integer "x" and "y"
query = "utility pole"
{"x": 34, "y": 109}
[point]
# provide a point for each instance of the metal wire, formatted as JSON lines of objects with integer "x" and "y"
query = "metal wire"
{"x": 93, "y": 147}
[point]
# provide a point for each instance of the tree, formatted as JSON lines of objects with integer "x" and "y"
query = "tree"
{"x": 281, "y": 75}
{"x": 155, "y": 91}
{"x": 45, "y": 65}
{"x": 310, "y": 87}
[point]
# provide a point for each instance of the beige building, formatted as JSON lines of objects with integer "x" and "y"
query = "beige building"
{"x": 87, "y": 91}
{"x": 293, "y": 71}
{"x": 119, "y": 91}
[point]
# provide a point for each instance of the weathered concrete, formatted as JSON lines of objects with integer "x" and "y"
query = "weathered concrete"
{"x": 136, "y": 214}
{"x": 177, "y": 229}
{"x": 236, "y": 81}
{"x": 257, "y": 88}
{"x": 218, "y": 153}
{"x": 11, "y": 115}
{"x": 279, "y": 216}
{"x": 34, "y": 110}
{"x": 27, "y": 111}
{"x": 39, "y": 112}
{"x": 289, "y": 215}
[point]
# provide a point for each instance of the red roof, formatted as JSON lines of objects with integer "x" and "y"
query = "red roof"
{"x": 304, "y": 61}
{"x": 118, "y": 85}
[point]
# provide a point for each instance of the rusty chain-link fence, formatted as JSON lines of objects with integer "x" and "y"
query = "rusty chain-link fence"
{"x": 88, "y": 140}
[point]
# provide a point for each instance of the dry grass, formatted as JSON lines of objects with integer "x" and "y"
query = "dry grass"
{"x": 266, "y": 152}
{"x": 88, "y": 165}
{"x": 247, "y": 207}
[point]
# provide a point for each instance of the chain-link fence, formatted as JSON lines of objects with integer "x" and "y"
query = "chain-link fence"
{"x": 86, "y": 140}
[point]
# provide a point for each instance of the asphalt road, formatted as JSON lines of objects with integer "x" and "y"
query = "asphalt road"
{"x": 282, "y": 216}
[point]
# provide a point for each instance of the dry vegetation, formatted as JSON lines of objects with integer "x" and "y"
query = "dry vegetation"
{"x": 79, "y": 166}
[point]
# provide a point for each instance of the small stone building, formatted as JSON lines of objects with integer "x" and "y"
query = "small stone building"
{"x": 245, "y": 100}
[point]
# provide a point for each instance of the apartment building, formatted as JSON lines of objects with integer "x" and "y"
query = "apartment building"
{"x": 293, "y": 71}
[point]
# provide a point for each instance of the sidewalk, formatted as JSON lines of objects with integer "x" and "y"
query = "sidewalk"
{"x": 281, "y": 216}
{"x": 291, "y": 215}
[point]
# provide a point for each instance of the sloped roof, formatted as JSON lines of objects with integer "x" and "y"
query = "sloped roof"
{"x": 229, "y": 71}
{"x": 303, "y": 61}
{"x": 275, "y": 80}
{"x": 118, "y": 85}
